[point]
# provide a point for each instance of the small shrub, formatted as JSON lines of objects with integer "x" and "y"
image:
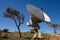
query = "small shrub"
{"x": 5, "y": 37}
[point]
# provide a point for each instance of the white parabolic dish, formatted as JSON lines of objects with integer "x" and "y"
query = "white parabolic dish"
{"x": 38, "y": 13}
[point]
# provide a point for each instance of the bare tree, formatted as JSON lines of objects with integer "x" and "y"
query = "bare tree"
{"x": 16, "y": 16}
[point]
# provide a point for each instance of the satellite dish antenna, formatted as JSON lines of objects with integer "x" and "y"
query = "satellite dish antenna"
{"x": 37, "y": 15}
{"x": 54, "y": 26}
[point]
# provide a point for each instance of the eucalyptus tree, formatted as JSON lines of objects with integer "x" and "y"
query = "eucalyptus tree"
{"x": 16, "y": 16}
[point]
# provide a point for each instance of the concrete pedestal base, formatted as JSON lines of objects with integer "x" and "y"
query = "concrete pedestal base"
{"x": 37, "y": 36}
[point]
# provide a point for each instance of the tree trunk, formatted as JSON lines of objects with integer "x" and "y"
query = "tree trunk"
{"x": 0, "y": 33}
{"x": 55, "y": 30}
{"x": 19, "y": 31}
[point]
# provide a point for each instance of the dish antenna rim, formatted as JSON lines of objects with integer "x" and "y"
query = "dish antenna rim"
{"x": 37, "y": 13}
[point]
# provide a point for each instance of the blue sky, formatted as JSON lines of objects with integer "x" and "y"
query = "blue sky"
{"x": 51, "y": 7}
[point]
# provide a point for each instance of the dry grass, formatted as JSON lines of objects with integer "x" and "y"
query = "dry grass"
{"x": 26, "y": 36}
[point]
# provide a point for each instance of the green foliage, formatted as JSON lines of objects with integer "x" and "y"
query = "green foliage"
{"x": 8, "y": 9}
{"x": 1, "y": 38}
{"x": 5, "y": 30}
{"x": 5, "y": 37}
{"x": 22, "y": 38}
